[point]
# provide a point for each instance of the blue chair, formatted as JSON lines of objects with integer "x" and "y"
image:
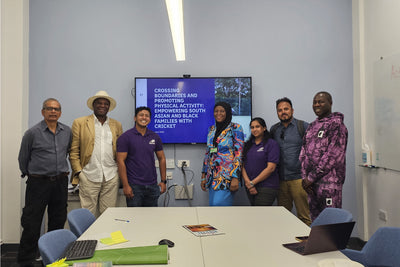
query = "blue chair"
{"x": 79, "y": 220}
{"x": 53, "y": 244}
{"x": 332, "y": 215}
{"x": 382, "y": 249}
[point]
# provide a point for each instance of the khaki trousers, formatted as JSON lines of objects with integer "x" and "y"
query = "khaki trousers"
{"x": 97, "y": 197}
{"x": 292, "y": 191}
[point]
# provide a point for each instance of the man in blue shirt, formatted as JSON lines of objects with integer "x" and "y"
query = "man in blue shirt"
{"x": 43, "y": 158}
{"x": 136, "y": 166}
{"x": 289, "y": 134}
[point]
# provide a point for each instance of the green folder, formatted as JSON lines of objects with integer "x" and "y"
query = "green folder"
{"x": 132, "y": 255}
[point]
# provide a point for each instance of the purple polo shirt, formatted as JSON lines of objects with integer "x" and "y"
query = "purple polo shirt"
{"x": 257, "y": 159}
{"x": 140, "y": 163}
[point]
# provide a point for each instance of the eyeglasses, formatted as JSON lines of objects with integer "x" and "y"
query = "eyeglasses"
{"x": 52, "y": 109}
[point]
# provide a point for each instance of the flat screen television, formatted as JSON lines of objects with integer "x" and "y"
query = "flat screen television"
{"x": 182, "y": 108}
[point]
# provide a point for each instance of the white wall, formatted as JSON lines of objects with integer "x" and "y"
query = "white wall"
{"x": 379, "y": 37}
{"x": 14, "y": 111}
{"x": 290, "y": 48}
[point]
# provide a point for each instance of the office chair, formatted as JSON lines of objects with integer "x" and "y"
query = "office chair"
{"x": 382, "y": 249}
{"x": 332, "y": 215}
{"x": 53, "y": 244}
{"x": 79, "y": 220}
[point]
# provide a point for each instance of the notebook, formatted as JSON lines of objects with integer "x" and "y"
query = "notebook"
{"x": 324, "y": 238}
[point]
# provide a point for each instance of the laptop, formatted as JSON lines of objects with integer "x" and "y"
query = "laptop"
{"x": 324, "y": 238}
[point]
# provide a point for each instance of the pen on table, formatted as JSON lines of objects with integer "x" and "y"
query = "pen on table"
{"x": 121, "y": 220}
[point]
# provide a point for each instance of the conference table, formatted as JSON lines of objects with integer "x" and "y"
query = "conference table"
{"x": 253, "y": 236}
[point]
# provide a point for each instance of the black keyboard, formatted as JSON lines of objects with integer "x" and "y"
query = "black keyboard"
{"x": 299, "y": 249}
{"x": 80, "y": 249}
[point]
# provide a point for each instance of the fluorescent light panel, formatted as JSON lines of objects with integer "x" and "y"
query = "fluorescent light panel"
{"x": 175, "y": 15}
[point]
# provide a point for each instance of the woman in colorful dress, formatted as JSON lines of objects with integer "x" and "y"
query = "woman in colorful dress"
{"x": 260, "y": 157}
{"x": 222, "y": 161}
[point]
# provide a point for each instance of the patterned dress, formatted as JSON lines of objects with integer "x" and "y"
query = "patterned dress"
{"x": 323, "y": 161}
{"x": 223, "y": 163}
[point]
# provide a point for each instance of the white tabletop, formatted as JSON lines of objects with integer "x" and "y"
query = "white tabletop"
{"x": 147, "y": 226}
{"x": 253, "y": 235}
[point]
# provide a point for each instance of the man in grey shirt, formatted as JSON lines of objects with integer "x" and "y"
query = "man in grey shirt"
{"x": 43, "y": 158}
{"x": 289, "y": 134}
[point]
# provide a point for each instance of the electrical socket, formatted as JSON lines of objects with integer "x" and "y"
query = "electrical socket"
{"x": 170, "y": 163}
{"x": 180, "y": 162}
{"x": 180, "y": 192}
{"x": 169, "y": 175}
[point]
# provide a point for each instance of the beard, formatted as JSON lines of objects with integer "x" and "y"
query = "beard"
{"x": 287, "y": 120}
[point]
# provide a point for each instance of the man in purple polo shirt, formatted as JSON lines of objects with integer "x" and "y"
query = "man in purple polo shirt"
{"x": 136, "y": 166}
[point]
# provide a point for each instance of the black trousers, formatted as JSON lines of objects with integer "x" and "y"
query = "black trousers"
{"x": 41, "y": 192}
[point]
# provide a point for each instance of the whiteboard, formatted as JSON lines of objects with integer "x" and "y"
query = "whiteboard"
{"x": 387, "y": 112}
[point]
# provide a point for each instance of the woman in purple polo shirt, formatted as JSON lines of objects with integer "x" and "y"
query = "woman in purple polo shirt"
{"x": 260, "y": 157}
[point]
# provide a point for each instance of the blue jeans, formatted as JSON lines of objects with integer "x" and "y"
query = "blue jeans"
{"x": 144, "y": 196}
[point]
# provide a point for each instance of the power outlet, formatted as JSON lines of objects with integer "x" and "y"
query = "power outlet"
{"x": 187, "y": 163}
{"x": 180, "y": 192}
{"x": 383, "y": 215}
{"x": 170, "y": 163}
{"x": 169, "y": 175}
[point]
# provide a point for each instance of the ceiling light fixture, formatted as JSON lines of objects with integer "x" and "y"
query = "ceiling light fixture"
{"x": 175, "y": 15}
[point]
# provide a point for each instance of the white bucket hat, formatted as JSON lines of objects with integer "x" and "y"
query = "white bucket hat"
{"x": 101, "y": 94}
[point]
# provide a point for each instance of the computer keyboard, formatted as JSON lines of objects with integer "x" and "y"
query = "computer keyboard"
{"x": 299, "y": 249}
{"x": 80, "y": 249}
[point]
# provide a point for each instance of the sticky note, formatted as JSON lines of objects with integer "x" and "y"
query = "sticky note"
{"x": 116, "y": 238}
{"x": 59, "y": 263}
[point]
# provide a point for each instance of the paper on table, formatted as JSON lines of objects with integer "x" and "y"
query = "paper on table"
{"x": 116, "y": 238}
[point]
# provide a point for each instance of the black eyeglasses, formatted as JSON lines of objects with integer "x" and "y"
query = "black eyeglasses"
{"x": 51, "y": 109}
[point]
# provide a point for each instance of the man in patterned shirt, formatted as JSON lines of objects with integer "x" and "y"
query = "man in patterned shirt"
{"x": 323, "y": 156}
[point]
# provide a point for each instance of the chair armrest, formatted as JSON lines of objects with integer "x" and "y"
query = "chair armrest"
{"x": 354, "y": 255}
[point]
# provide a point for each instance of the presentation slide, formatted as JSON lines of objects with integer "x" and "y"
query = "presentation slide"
{"x": 182, "y": 108}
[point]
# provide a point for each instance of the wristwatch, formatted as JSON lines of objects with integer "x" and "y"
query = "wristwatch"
{"x": 251, "y": 183}
{"x": 164, "y": 181}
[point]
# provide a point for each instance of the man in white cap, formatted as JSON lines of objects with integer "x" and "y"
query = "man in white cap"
{"x": 93, "y": 155}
